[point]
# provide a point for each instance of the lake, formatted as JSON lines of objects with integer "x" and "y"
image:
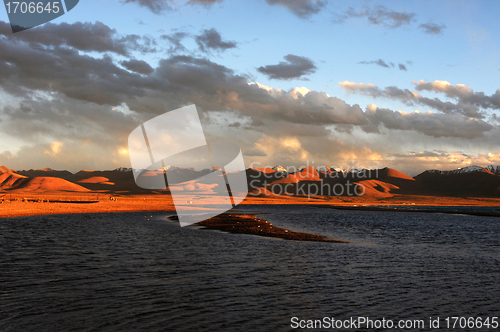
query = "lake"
{"x": 140, "y": 272}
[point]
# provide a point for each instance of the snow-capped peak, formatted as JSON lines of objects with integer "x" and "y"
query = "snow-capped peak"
{"x": 279, "y": 168}
{"x": 123, "y": 169}
{"x": 494, "y": 169}
{"x": 169, "y": 168}
{"x": 468, "y": 169}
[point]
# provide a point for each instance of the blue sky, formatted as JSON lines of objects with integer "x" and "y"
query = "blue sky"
{"x": 409, "y": 84}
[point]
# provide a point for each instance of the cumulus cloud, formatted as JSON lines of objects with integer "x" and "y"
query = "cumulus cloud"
{"x": 82, "y": 77}
{"x": 467, "y": 103}
{"x": 294, "y": 67}
{"x": 210, "y": 39}
{"x": 431, "y": 124}
{"x": 87, "y": 36}
{"x": 462, "y": 93}
{"x": 138, "y": 66}
{"x": 432, "y": 28}
{"x": 301, "y": 8}
{"x": 88, "y": 102}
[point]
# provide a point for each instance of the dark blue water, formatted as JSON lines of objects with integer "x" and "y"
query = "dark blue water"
{"x": 134, "y": 272}
{"x": 457, "y": 209}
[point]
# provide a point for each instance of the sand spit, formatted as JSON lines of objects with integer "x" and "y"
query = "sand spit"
{"x": 250, "y": 224}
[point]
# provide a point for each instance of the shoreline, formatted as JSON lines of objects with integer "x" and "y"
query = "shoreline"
{"x": 395, "y": 209}
{"x": 70, "y": 204}
{"x": 32, "y": 204}
{"x": 24, "y": 209}
{"x": 244, "y": 223}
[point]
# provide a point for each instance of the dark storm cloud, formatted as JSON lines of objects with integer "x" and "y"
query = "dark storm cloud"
{"x": 138, "y": 66}
{"x": 379, "y": 15}
{"x": 210, "y": 39}
{"x": 301, "y": 8}
{"x": 432, "y": 28}
{"x": 294, "y": 67}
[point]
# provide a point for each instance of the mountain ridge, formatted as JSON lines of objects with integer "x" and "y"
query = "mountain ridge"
{"x": 474, "y": 181}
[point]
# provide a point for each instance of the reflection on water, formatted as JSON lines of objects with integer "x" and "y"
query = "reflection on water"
{"x": 129, "y": 271}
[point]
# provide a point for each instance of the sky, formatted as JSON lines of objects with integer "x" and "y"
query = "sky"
{"x": 412, "y": 85}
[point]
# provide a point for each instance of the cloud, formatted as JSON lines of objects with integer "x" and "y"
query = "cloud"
{"x": 255, "y": 153}
{"x": 96, "y": 37}
{"x": 421, "y": 154}
{"x": 175, "y": 40}
{"x": 206, "y": 3}
{"x": 294, "y": 67}
{"x": 384, "y": 64}
{"x": 432, "y": 28}
{"x": 378, "y": 62}
{"x": 90, "y": 101}
{"x": 138, "y": 66}
{"x": 59, "y": 69}
{"x": 210, "y": 39}
{"x": 301, "y": 8}
{"x": 379, "y": 15}
{"x": 36, "y": 156}
{"x": 467, "y": 102}
{"x": 430, "y": 124}
{"x": 156, "y": 6}
{"x": 461, "y": 92}
{"x": 443, "y": 160}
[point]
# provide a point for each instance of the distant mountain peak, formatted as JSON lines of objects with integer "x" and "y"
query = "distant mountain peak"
{"x": 463, "y": 170}
{"x": 279, "y": 168}
{"x": 4, "y": 169}
{"x": 494, "y": 169}
{"x": 123, "y": 169}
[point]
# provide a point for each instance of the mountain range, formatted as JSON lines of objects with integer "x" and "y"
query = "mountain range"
{"x": 472, "y": 181}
